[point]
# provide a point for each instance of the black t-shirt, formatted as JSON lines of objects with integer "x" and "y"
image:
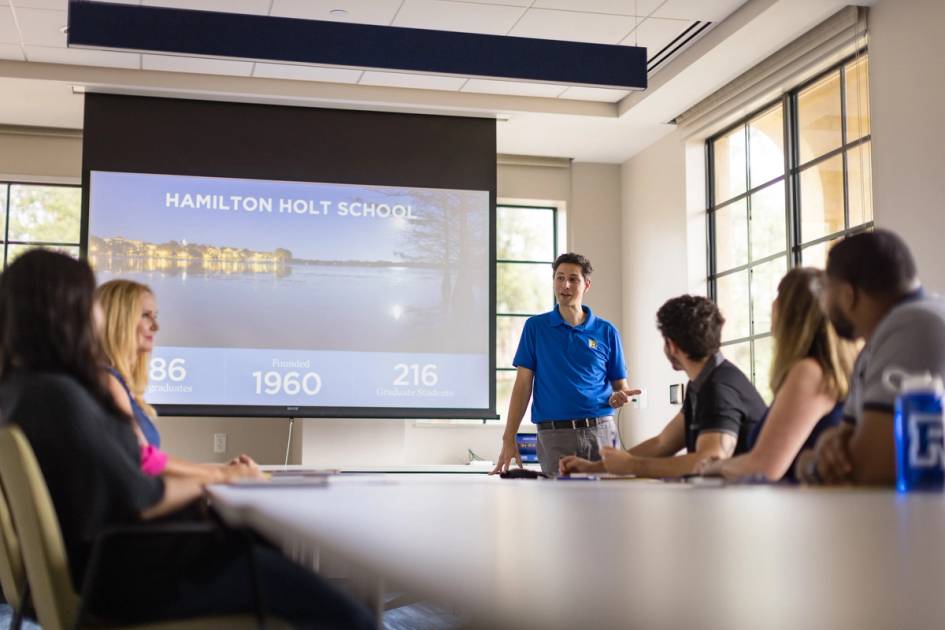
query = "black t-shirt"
{"x": 89, "y": 458}
{"x": 722, "y": 399}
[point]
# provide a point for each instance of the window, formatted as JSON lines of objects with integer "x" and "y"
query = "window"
{"x": 39, "y": 216}
{"x": 526, "y": 245}
{"x": 784, "y": 184}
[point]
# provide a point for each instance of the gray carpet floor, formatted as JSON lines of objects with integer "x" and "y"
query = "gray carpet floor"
{"x": 414, "y": 617}
{"x": 6, "y": 614}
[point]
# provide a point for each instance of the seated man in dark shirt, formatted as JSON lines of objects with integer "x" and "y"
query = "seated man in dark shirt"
{"x": 719, "y": 411}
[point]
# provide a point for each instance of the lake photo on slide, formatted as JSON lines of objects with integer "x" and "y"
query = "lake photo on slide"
{"x": 263, "y": 264}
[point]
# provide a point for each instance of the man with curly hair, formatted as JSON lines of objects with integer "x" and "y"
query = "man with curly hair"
{"x": 720, "y": 409}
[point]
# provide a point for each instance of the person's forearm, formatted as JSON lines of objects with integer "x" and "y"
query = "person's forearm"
{"x": 204, "y": 473}
{"x": 872, "y": 450}
{"x": 748, "y": 465}
{"x": 647, "y": 448}
{"x": 178, "y": 492}
{"x": 873, "y": 467}
{"x": 517, "y": 406}
{"x": 771, "y": 466}
{"x": 659, "y": 467}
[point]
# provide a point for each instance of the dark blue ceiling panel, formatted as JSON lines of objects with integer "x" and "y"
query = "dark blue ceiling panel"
{"x": 277, "y": 39}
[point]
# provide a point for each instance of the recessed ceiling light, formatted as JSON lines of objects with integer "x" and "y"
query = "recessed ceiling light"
{"x": 338, "y": 12}
{"x": 64, "y": 29}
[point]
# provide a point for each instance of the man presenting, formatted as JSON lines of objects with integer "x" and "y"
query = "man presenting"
{"x": 573, "y": 362}
{"x": 720, "y": 409}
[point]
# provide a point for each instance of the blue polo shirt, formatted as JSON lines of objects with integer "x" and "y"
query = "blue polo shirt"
{"x": 573, "y": 365}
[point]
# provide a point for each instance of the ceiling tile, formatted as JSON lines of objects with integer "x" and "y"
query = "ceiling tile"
{"x": 513, "y": 88}
{"x": 82, "y": 57}
{"x": 565, "y": 25}
{"x": 55, "y": 5}
{"x": 41, "y": 28}
{"x": 359, "y": 11}
{"x": 706, "y": 10}
{"x": 8, "y": 32}
{"x": 508, "y": 3}
{"x": 258, "y": 7}
{"x": 11, "y": 51}
{"x": 613, "y": 7}
{"x": 655, "y": 34}
{"x": 416, "y": 81}
{"x": 593, "y": 94}
{"x": 458, "y": 16}
{"x": 170, "y": 63}
{"x": 111, "y": 1}
{"x": 648, "y": 7}
{"x": 305, "y": 73}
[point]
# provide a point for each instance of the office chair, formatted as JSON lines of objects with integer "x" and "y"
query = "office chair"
{"x": 12, "y": 571}
{"x": 43, "y": 552}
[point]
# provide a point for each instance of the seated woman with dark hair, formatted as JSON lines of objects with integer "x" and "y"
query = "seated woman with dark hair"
{"x": 810, "y": 376}
{"x": 53, "y": 387}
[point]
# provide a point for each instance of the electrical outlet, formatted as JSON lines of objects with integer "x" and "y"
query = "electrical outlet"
{"x": 219, "y": 442}
{"x": 639, "y": 401}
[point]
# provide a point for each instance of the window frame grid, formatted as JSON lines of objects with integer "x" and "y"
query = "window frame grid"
{"x": 8, "y": 200}
{"x": 791, "y": 176}
{"x": 506, "y": 261}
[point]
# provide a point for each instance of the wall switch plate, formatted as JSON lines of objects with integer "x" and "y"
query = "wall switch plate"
{"x": 676, "y": 393}
{"x": 219, "y": 442}
{"x": 640, "y": 400}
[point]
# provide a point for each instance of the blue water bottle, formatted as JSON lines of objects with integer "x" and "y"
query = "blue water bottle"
{"x": 919, "y": 426}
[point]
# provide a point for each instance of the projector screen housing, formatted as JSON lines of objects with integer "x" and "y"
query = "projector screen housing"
{"x": 187, "y": 154}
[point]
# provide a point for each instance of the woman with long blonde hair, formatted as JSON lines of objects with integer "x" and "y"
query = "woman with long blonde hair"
{"x": 809, "y": 376}
{"x": 129, "y": 325}
{"x": 128, "y": 329}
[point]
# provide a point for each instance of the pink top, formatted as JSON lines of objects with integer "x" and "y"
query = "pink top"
{"x": 153, "y": 460}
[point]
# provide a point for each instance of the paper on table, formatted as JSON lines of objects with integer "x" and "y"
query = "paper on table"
{"x": 281, "y": 482}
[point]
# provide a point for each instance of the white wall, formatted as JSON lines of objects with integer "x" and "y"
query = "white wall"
{"x": 907, "y": 91}
{"x": 518, "y": 182}
{"x": 594, "y": 230}
{"x": 263, "y": 438}
{"x": 663, "y": 256}
{"x": 40, "y": 155}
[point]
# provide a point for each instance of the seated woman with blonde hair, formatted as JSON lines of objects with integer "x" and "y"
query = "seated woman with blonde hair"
{"x": 129, "y": 314}
{"x": 810, "y": 376}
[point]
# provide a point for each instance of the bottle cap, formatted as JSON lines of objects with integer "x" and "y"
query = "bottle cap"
{"x": 922, "y": 382}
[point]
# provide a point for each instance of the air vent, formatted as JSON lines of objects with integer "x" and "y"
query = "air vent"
{"x": 688, "y": 36}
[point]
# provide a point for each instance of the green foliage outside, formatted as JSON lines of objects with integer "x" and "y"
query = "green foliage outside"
{"x": 40, "y": 214}
{"x": 50, "y": 214}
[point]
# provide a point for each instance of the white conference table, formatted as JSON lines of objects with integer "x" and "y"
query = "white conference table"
{"x": 477, "y": 468}
{"x": 629, "y": 554}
